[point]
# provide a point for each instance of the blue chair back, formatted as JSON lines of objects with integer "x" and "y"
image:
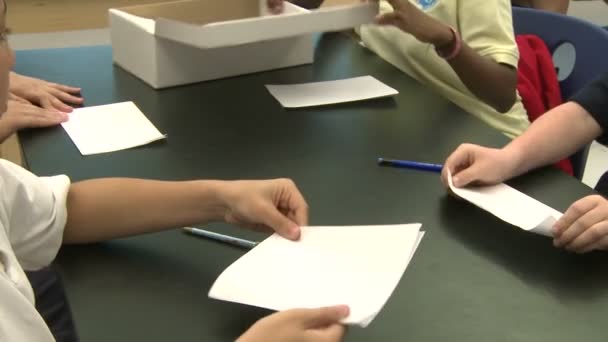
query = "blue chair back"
{"x": 579, "y": 49}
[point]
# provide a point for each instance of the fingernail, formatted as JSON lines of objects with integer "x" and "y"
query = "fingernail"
{"x": 556, "y": 231}
{"x": 456, "y": 181}
{"x": 294, "y": 232}
{"x": 344, "y": 310}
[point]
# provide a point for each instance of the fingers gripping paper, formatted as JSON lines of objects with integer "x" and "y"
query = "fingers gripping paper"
{"x": 511, "y": 206}
{"x": 358, "y": 266}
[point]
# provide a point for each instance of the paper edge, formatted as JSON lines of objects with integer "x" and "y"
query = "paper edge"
{"x": 89, "y": 152}
{"x": 362, "y": 323}
{"x": 544, "y": 227}
{"x": 272, "y": 87}
{"x": 367, "y": 321}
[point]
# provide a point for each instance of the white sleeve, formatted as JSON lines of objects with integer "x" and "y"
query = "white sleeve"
{"x": 19, "y": 320}
{"x": 36, "y": 212}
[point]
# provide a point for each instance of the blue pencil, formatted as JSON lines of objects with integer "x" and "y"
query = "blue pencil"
{"x": 406, "y": 164}
{"x": 231, "y": 240}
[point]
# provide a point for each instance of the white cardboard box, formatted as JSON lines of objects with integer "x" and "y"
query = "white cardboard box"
{"x": 189, "y": 41}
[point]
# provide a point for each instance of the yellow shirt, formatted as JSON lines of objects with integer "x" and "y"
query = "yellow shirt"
{"x": 485, "y": 25}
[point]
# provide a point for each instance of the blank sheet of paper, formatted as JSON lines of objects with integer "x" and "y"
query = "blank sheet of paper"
{"x": 358, "y": 266}
{"x": 511, "y": 206}
{"x": 110, "y": 128}
{"x": 330, "y": 92}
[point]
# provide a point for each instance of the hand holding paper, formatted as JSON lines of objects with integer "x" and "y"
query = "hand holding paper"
{"x": 358, "y": 266}
{"x": 303, "y": 325}
{"x": 511, "y": 206}
{"x": 583, "y": 227}
{"x": 489, "y": 167}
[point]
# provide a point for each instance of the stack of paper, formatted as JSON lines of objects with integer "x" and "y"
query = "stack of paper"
{"x": 110, "y": 128}
{"x": 358, "y": 266}
{"x": 511, "y": 206}
{"x": 330, "y": 92}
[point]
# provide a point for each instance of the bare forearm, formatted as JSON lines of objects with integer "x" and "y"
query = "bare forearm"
{"x": 104, "y": 209}
{"x": 555, "y": 135}
{"x": 559, "y": 6}
{"x": 493, "y": 83}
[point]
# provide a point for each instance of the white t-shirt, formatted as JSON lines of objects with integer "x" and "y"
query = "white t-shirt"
{"x": 33, "y": 214}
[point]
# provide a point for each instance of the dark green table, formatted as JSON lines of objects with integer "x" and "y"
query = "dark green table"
{"x": 473, "y": 278}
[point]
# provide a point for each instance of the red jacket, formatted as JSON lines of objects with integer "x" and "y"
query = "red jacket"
{"x": 537, "y": 82}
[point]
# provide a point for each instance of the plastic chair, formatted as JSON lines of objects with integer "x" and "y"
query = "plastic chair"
{"x": 580, "y": 54}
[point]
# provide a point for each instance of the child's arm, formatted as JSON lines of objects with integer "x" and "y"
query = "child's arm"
{"x": 555, "y": 135}
{"x": 104, "y": 209}
{"x": 559, "y": 6}
{"x": 492, "y": 82}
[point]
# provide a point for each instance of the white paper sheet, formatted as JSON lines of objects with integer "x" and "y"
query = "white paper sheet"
{"x": 358, "y": 266}
{"x": 110, "y": 128}
{"x": 330, "y": 92}
{"x": 511, "y": 206}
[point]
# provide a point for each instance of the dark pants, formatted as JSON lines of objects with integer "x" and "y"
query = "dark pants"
{"x": 52, "y": 304}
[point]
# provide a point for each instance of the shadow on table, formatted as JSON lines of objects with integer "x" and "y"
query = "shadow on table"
{"x": 530, "y": 257}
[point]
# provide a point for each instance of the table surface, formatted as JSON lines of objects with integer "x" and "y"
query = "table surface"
{"x": 473, "y": 278}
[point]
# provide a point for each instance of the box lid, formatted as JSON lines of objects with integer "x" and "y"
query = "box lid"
{"x": 211, "y": 24}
